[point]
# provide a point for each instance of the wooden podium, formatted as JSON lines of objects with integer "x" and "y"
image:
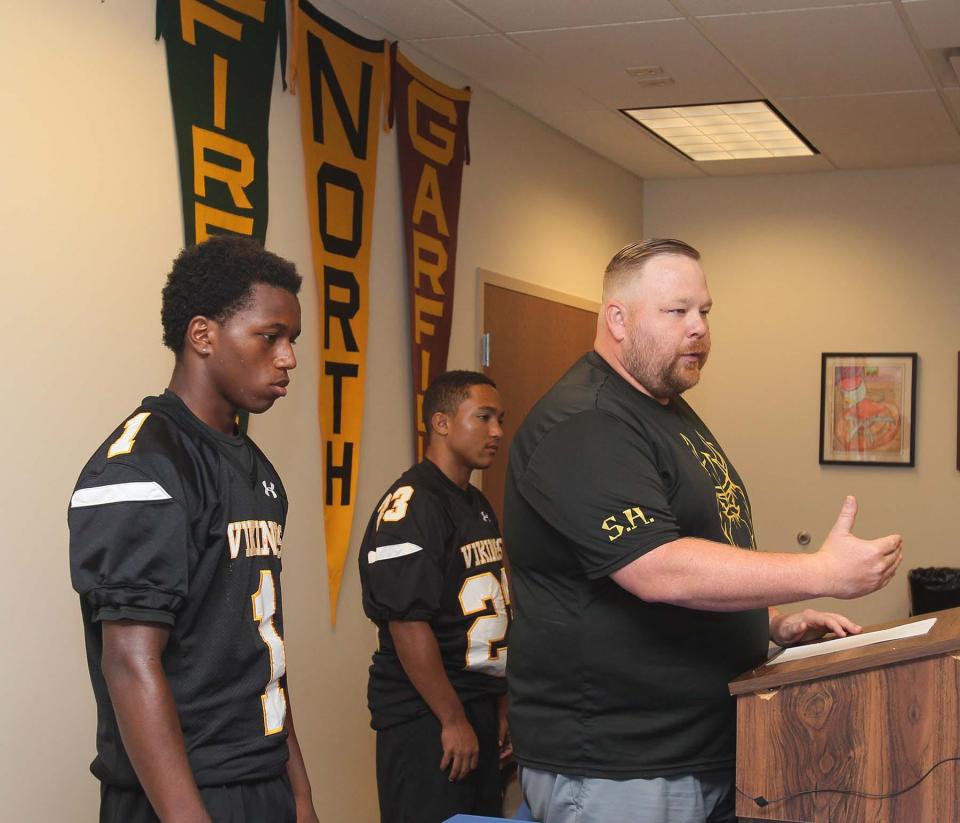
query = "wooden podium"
{"x": 818, "y": 739}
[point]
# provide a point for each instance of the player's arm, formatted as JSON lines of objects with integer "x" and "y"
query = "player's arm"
{"x": 147, "y": 717}
{"x": 297, "y": 772}
{"x": 504, "y": 742}
{"x": 419, "y": 654}
{"x": 701, "y": 574}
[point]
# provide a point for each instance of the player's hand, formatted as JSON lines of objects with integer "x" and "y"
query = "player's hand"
{"x": 461, "y": 749}
{"x": 802, "y": 627}
{"x": 504, "y": 744}
{"x": 307, "y": 815}
{"x": 305, "y": 811}
{"x": 851, "y": 567}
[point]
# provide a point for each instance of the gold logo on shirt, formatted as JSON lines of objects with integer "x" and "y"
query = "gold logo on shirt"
{"x": 733, "y": 508}
{"x": 633, "y": 516}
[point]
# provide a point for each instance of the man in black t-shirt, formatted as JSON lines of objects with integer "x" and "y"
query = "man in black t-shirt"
{"x": 176, "y": 526}
{"x": 431, "y": 569}
{"x": 639, "y": 592}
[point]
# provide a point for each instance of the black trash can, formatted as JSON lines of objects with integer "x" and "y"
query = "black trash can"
{"x": 933, "y": 589}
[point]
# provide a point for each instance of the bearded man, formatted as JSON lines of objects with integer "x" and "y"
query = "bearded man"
{"x": 638, "y": 589}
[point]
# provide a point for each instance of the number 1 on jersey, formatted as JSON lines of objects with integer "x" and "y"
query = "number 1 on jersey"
{"x": 273, "y": 699}
{"x": 124, "y": 443}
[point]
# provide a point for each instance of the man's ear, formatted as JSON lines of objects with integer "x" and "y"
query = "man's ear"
{"x": 615, "y": 318}
{"x": 439, "y": 424}
{"x": 201, "y": 335}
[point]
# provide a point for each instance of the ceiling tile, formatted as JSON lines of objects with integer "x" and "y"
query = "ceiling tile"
{"x": 698, "y": 7}
{"x": 611, "y": 135}
{"x": 422, "y": 18}
{"x": 937, "y": 22}
{"x": 818, "y": 52}
{"x": 510, "y": 15}
{"x": 878, "y": 130}
{"x": 507, "y": 70}
{"x": 953, "y": 97}
{"x": 595, "y": 60}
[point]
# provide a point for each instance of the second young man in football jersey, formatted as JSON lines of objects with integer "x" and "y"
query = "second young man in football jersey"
{"x": 431, "y": 569}
{"x": 176, "y": 525}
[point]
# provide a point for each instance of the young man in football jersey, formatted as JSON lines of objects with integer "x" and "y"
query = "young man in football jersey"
{"x": 176, "y": 526}
{"x": 431, "y": 569}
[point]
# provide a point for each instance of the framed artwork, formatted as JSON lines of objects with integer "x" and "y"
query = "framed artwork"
{"x": 868, "y": 405}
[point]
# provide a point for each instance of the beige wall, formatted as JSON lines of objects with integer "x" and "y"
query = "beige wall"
{"x": 91, "y": 219}
{"x": 802, "y": 264}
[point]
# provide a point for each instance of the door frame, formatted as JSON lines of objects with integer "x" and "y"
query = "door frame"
{"x": 487, "y": 277}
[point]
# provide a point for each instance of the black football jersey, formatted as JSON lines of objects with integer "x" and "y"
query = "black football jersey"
{"x": 172, "y": 522}
{"x": 433, "y": 552}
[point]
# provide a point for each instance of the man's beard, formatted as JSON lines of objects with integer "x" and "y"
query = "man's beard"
{"x": 664, "y": 377}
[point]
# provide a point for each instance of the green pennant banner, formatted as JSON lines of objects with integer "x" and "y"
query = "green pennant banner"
{"x": 220, "y": 60}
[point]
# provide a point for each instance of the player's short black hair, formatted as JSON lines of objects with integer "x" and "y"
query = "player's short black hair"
{"x": 215, "y": 279}
{"x": 448, "y": 391}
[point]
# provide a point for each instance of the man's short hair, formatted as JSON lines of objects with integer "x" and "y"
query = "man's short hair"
{"x": 631, "y": 258}
{"x": 215, "y": 279}
{"x": 448, "y": 391}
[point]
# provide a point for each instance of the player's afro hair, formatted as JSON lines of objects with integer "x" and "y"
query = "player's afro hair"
{"x": 215, "y": 279}
{"x": 448, "y": 391}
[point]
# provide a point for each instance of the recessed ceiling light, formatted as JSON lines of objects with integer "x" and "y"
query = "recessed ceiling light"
{"x": 724, "y": 131}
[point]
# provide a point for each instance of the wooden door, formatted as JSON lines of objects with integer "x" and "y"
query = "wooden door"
{"x": 534, "y": 339}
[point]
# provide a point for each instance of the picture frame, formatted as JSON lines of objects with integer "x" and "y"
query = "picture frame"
{"x": 868, "y": 408}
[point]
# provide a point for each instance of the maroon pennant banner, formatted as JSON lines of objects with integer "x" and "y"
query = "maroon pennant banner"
{"x": 431, "y": 122}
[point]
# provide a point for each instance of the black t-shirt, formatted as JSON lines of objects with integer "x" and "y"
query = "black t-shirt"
{"x": 174, "y": 523}
{"x": 433, "y": 552}
{"x": 604, "y": 684}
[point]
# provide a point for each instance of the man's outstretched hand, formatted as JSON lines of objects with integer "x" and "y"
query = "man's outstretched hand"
{"x": 852, "y": 567}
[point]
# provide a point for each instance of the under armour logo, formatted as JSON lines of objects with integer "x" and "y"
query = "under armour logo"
{"x": 485, "y": 517}
{"x": 268, "y": 489}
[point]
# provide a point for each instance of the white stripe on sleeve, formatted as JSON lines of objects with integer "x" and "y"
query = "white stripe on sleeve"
{"x": 390, "y": 552}
{"x": 118, "y": 493}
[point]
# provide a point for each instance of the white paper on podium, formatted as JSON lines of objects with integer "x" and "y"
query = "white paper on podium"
{"x": 854, "y": 641}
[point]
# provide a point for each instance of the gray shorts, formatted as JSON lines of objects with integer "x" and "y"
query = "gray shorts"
{"x": 696, "y": 798}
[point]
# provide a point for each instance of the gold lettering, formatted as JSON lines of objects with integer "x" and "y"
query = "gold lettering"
{"x": 261, "y": 537}
{"x": 235, "y": 179}
{"x": 424, "y": 369}
{"x": 267, "y": 538}
{"x": 233, "y": 539}
{"x": 205, "y": 216}
{"x": 250, "y": 8}
{"x": 427, "y": 200}
{"x": 193, "y": 12}
{"x": 220, "y": 65}
{"x": 425, "y": 307}
{"x": 635, "y": 514}
{"x": 432, "y": 270}
{"x": 419, "y": 95}
{"x": 611, "y": 524}
{"x": 467, "y": 560}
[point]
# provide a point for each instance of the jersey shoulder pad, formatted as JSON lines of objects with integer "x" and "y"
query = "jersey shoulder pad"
{"x": 147, "y": 443}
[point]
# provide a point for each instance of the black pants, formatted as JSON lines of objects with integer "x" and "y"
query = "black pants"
{"x": 262, "y": 801}
{"x": 412, "y": 788}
